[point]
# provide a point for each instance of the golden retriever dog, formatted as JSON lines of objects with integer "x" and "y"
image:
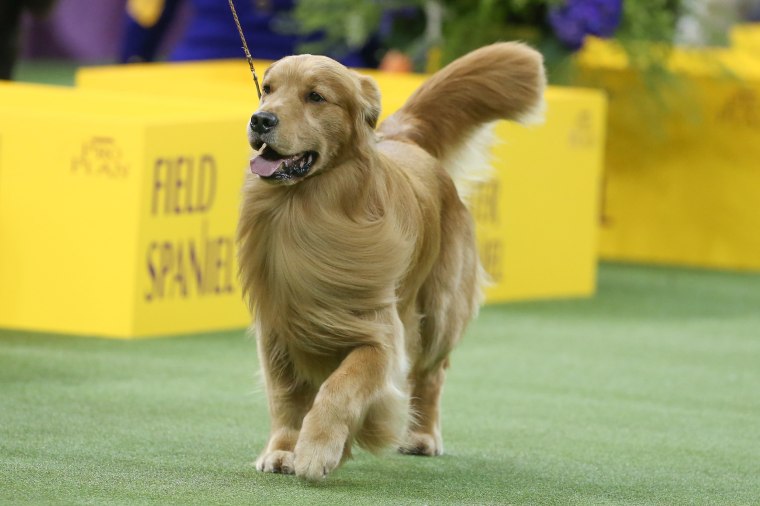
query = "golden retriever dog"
{"x": 356, "y": 252}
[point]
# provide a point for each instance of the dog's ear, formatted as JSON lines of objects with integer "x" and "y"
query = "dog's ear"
{"x": 370, "y": 100}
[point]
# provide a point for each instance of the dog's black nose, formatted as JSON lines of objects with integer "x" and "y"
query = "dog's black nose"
{"x": 262, "y": 122}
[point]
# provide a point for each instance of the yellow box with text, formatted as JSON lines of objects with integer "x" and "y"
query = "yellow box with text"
{"x": 682, "y": 170}
{"x": 117, "y": 213}
{"x": 537, "y": 218}
{"x": 118, "y": 205}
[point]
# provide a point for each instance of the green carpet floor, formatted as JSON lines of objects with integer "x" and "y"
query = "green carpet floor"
{"x": 647, "y": 394}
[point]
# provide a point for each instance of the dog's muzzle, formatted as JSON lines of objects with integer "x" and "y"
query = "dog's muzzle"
{"x": 271, "y": 165}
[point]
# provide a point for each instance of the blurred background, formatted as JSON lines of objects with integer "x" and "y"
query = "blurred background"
{"x": 618, "y": 354}
{"x": 653, "y": 115}
{"x": 420, "y": 35}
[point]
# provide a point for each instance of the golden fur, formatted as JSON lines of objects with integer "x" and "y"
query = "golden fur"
{"x": 363, "y": 274}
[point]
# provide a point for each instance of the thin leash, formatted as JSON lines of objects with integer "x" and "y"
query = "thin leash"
{"x": 245, "y": 48}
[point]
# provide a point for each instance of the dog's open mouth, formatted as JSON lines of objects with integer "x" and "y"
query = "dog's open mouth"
{"x": 270, "y": 164}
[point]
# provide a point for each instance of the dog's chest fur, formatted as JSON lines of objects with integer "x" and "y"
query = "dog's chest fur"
{"x": 320, "y": 272}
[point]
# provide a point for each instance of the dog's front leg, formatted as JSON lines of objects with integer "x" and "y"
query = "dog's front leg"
{"x": 339, "y": 408}
{"x": 288, "y": 400}
{"x": 287, "y": 407}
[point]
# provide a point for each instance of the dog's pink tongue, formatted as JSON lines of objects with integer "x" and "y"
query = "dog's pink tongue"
{"x": 264, "y": 167}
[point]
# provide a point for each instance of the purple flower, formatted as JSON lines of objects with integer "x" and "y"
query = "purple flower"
{"x": 575, "y": 19}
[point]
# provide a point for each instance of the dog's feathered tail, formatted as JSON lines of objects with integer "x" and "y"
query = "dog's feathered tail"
{"x": 449, "y": 116}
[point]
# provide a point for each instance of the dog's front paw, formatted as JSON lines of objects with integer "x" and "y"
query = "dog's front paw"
{"x": 278, "y": 461}
{"x": 418, "y": 443}
{"x": 319, "y": 450}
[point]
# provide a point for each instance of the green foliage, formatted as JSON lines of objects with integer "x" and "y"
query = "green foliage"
{"x": 344, "y": 24}
{"x": 648, "y": 20}
{"x": 468, "y": 24}
{"x": 647, "y": 31}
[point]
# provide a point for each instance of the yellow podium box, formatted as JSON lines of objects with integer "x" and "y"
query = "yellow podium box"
{"x": 682, "y": 170}
{"x": 745, "y": 38}
{"x": 117, "y": 212}
{"x": 537, "y": 219}
{"x": 118, "y": 205}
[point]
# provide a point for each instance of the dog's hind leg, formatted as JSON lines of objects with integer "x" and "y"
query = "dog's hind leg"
{"x": 445, "y": 320}
{"x": 424, "y": 435}
{"x": 449, "y": 298}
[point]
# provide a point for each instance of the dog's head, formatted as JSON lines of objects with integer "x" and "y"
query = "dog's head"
{"x": 313, "y": 114}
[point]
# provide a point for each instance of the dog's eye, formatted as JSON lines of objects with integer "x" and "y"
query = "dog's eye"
{"x": 316, "y": 97}
{"x": 266, "y": 89}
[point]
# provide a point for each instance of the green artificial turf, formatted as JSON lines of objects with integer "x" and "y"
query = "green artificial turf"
{"x": 647, "y": 394}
